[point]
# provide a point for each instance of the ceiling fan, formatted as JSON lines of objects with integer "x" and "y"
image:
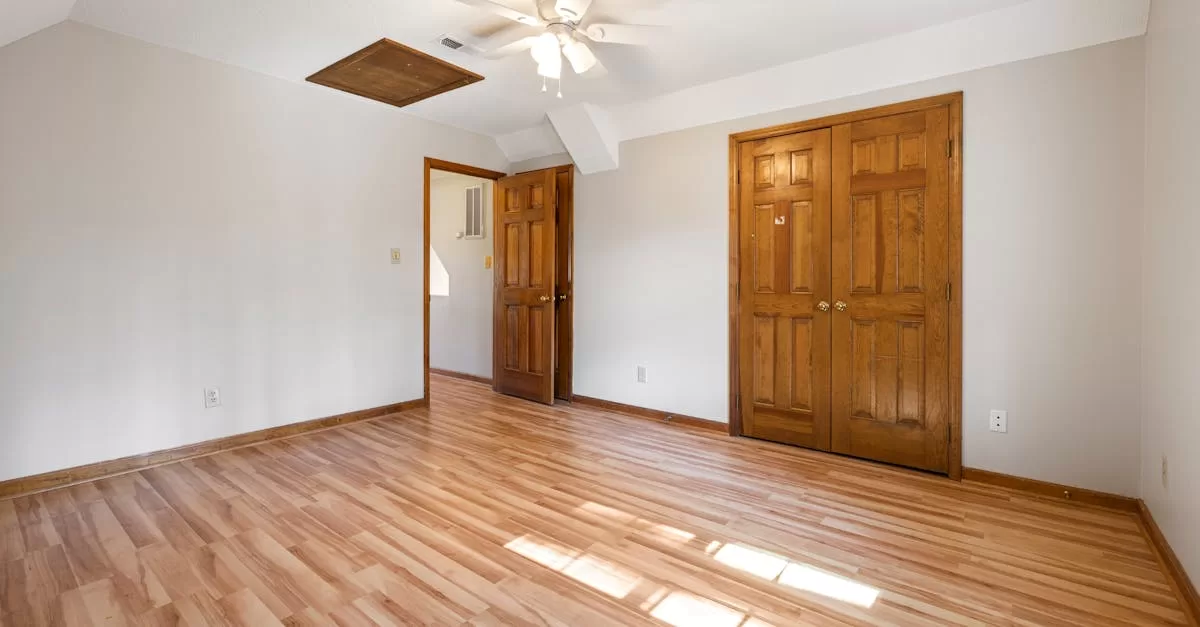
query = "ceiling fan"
{"x": 563, "y": 35}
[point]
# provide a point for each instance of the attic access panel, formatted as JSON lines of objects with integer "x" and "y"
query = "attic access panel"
{"x": 393, "y": 73}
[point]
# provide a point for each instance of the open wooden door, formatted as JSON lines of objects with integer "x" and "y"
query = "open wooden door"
{"x": 523, "y": 315}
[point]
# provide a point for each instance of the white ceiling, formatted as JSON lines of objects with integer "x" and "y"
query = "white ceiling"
{"x": 20, "y": 18}
{"x": 706, "y": 40}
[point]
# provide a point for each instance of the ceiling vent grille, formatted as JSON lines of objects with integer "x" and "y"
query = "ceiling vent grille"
{"x": 451, "y": 42}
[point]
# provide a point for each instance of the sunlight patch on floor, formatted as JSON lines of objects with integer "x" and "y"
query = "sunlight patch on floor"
{"x": 596, "y": 573}
{"x": 682, "y": 609}
{"x": 799, "y": 576}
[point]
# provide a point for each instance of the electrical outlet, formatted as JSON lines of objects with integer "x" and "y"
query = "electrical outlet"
{"x": 998, "y": 421}
{"x": 212, "y": 397}
{"x": 1164, "y": 471}
{"x": 395, "y": 255}
{"x": 641, "y": 374}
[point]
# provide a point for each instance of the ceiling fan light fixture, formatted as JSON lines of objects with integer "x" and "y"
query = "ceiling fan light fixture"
{"x": 550, "y": 64}
{"x": 572, "y": 10}
{"x": 544, "y": 48}
{"x": 581, "y": 57}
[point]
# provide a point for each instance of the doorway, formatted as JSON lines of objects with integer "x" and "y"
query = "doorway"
{"x": 498, "y": 278}
{"x": 845, "y": 255}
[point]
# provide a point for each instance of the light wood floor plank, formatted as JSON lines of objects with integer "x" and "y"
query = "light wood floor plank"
{"x": 487, "y": 510}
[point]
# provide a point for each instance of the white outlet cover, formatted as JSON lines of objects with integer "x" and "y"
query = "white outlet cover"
{"x": 998, "y": 421}
{"x": 212, "y": 397}
{"x": 641, "y": 374}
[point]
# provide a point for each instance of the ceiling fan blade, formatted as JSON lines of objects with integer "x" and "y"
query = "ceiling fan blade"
{"x": 572, "y": 10}
{"x": 504, "y": 11}
{"x": 631, "y": 34}
{"x": 511, "y": 48}
{"x": 598, "y": 70}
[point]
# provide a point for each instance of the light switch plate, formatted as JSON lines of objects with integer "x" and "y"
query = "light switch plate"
{"x": 395, "y": 255}
{"x": 487, "y": 262}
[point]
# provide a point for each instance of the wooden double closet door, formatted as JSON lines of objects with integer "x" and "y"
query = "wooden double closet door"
{"x": 844, "y": 288}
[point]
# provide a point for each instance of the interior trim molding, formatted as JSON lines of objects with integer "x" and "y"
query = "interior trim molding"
{"x": 1185, "y": 591}
{"x": 22, "y": 486}
{"x": 462, "y": 375}
{"x": 652, "y": 414}
{"x": 1052, "y": 490}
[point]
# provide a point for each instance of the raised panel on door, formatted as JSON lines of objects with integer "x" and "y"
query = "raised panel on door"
{"x": 784, "y": 239}
{"x": 890, "y": 262}
{"x": 524, "y": 328}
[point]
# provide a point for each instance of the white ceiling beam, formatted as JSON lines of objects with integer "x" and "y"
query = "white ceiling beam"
{"x": 588, "y": 133}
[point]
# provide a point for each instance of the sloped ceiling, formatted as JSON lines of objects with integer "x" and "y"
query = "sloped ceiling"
{"x": 704, "y": 40}
{"x": 718, "y": 59}
{"x": 21, "y": 18}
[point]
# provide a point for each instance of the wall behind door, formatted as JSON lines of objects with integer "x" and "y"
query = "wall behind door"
{"x": 1053, "y": 196}
{"x": 460, "y": 324}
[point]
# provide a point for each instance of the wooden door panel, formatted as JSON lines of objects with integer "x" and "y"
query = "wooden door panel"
{"x": 785, "y": 240}
{"x": 563, "y": 324}
{"x": 524, "y": 342}
{"x": 890, "y": 367}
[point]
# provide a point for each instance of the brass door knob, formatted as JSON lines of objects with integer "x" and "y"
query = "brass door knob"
{"x": 841, "y": 305}
{"x": 823, "y": 306}
{"x": 545, "y": 299}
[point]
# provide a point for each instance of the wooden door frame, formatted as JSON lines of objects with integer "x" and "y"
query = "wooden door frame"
{"x": 457, "y": 168}
{"x": 955, "y": 103}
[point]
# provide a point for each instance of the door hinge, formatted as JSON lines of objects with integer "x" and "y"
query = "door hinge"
{"x": 949, "y": 292}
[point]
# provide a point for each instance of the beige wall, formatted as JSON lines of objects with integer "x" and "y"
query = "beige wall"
{"x": 169, "y": 223}
{"x": 1169, "y": 300}
{"x": 1053, "y": 192}
{"x": 460, "y": 325}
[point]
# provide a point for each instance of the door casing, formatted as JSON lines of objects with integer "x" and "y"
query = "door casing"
{"x": 564, "y": 387}
{"x": 954, "y": 101}
{"x": 445, "y": 166}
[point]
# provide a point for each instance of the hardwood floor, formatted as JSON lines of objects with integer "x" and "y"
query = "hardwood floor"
{"x": 488, "y": 510}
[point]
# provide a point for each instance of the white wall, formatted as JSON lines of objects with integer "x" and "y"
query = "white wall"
{"x": 1053, "y": 192}
{"x": 169, "y": 223}
{"x": 541, "y": 163}
{"x": 1170, "y": 370}
{"x": 460, "y": 325}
